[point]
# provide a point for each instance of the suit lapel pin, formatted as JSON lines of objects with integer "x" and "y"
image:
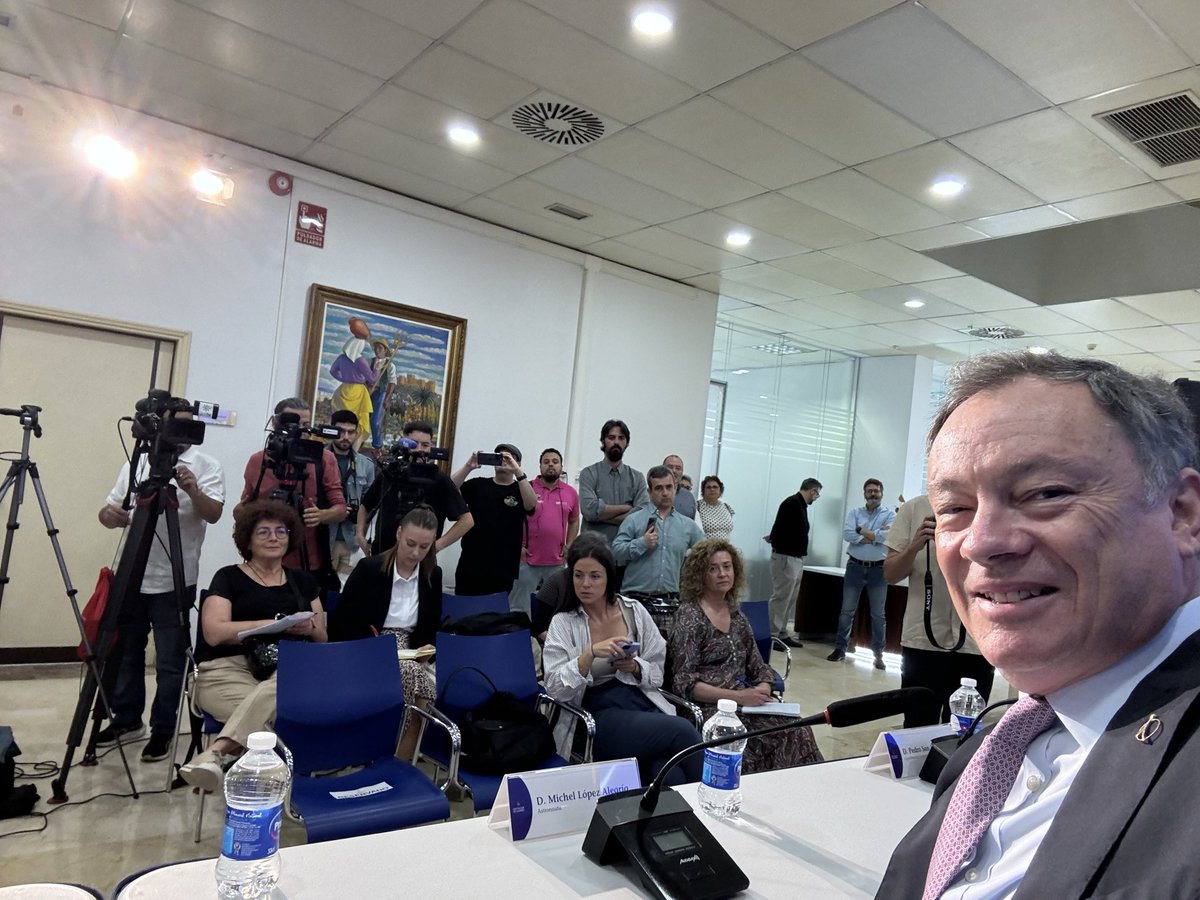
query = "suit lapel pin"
{"x": 1149, "y": 730}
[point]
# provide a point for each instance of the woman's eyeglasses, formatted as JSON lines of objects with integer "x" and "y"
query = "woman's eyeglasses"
{"x": 282, "y": 531}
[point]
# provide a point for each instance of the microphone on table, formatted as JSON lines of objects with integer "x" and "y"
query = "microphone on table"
{"x": 657, "y": 831}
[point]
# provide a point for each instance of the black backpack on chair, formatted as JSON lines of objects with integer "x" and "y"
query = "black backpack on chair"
{"x": 501, "y": 735}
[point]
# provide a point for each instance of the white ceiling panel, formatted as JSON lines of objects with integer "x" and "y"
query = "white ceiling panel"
{"x": 1091, "y": 342}
{"x": 1179, "y": 20}
{"x": 600, "y": 185}
{"x": 1173, "y": 307}
{"x": 464, "y": 82}
{"x": 764, "y": 318}
{"x": 1138, "y": 363}
{"x": 750, "y": 293}
{"x": 373, "y": 171}
{"x": 1052, "y": 155}
{"x": 54, "y": 41}
{"x": 533, "y": 45}
{"x": 896, "y": 296}
{"x": 800, "y": 22}
{"x": 724, "y": 304}
{"x": 739, "y": 143}
{"x": 942, "y": 236}
{"x": 974, "y": 294}
{"x": 1186, "y": 360}
{"x": 105, "y": 13}
{"x": 911, "y": 62}
{"x": 1115, "y": 203}
{"x": 669, "y": 169}
{"x": 794, "y": 221}
{"x": 432, "y": 19}
{"x": 795, "y": 97}
{"x": 1187, "y": 186}
{"x": 705, "y": 48}
{"x": 332, "y": 29}
{"x": 926, "y": 332}
{"x": 533, "y": 197}
{"x": 1161, "y": 338}
{"x": 963, "y": 324}
{"x": 1037, "y": 320}
{"x": 857, "y": 199}
{"x": 807, "y": 312}
{"x": 765, "y": 275}
{"x": 1055, "y": 46}
{"x": 712, "y": 228}
{"x": 832, "y": 271}
{"x": 682, "y": 249}
{"x": 912, "y": 172}
{"x": 896, "y": 262}
{"x": 851, "y": 339}
{"x": 526, "y": 222}
{"x": 1021, "y": 221}
{"x": 1106, "y": 315}
{"x": 861, "y": 310}
{"x": 641, "y": 259}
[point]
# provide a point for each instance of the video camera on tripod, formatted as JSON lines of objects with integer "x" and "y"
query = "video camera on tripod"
{"x": 161, "y": 434}
{"x": 292, "y": 446}
{"x": 404, "y": 462}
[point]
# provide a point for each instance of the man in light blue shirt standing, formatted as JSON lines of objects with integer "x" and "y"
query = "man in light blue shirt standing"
{"x": 865, "y": 531}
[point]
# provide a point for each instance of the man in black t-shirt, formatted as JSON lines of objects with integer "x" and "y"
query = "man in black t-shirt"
{"x": 491, "y": 550}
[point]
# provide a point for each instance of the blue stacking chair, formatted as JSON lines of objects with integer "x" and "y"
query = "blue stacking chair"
{"x": 758, "y": 615}
{"x": 506, "y": 659}
{"x": 455, "y": 607}
{"x": 341, "y": 705}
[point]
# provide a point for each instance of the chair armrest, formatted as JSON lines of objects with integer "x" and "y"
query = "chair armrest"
{"x": 589, "y": 722}
{"x": 777, "y": 644}
{"x": 434, "y": 716}
{"x": 686, "y": 706}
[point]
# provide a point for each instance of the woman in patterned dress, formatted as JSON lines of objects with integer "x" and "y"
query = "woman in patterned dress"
{"x": 713, "y": 655}
{"x": 713, "y": 513}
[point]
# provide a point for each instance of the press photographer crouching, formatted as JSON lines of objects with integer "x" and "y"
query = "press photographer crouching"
{"x": 236, "y": 682}
{"x": 407, "y": 476}
{"x": 300, "y": 471}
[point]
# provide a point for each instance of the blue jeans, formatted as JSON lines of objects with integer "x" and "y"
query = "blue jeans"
{"x": 629, "y": 724}
{"x": 147, "y": 611}
{"x": 858, "y": 575}
{"x": 528, "y": 581}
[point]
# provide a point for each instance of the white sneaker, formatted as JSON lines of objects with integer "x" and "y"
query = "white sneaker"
{"x": 207, "y": 770}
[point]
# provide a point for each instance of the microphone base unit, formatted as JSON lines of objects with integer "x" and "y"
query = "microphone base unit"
{"x": 675, "y": 856}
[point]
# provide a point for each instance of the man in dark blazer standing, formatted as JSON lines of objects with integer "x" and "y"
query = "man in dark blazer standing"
{"x": 789, "y": 546}
{"x": 1068, "y": 527}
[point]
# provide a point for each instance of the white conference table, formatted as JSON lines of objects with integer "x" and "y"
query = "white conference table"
{"x": 818, "y": 831}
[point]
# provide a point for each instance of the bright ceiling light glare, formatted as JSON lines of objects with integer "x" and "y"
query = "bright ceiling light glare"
{"x": 110, "y": 156}
{"x": 946, "y": 187}
{"x": 1039, "y": 351}
{"x": 652, "y": 23}
{"x": 914, "y": 303}
{"x": 737, "y": 239}
{"x": 207, "y": 183}
{"x": 463, "y": 135}
{"x": 740, "y": 372}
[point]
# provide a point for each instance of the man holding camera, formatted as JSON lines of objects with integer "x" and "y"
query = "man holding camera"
{"x": 201, "y": 494}
{"x": 392, "y": 497}
{"x": 320, "y": 501}
{"x": 491, "y": 551}
{"x": 357, "y": 473}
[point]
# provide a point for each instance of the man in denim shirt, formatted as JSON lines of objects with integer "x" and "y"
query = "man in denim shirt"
{"x": 357, "y": 471}
{"x": 865, "y": 531}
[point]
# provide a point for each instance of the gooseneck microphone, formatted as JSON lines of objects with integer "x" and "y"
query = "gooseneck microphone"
{"x": 839, "y": 714}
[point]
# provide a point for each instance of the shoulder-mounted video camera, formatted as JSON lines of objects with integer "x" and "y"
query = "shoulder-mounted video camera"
{"x": 154, "y": 418}
{"x": 404, "y": 462}
{"x": 293, "y": 443}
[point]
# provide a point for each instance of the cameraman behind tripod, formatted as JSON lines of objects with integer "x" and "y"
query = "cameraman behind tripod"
{"x": 201, "y": 483}
{"x": 283, "y": 470}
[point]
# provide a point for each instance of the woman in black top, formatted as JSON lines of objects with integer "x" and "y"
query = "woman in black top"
{"x": 257, "y": 592}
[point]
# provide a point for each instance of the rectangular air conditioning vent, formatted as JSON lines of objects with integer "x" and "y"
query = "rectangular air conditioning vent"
{"x": 1167, "y": 129}
{"x": 564, "y": 210}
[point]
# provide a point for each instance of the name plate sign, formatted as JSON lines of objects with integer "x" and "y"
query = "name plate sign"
{"x": 550, "y": 802}
{"x": 901, "y": 753}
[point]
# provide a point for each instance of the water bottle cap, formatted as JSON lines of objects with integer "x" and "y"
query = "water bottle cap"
{"x": 261, "y": 740}
{"x": 968, "y": 682}
{"x": 726, "y": 705}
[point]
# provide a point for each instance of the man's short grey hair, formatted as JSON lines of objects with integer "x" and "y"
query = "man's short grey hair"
{"x": 659, "y": 472}
{"x": 1150, "y": 412}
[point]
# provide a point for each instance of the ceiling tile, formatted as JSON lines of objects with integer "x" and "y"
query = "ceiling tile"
{"x": 1187, "y": 360}
{"x": 911, "y": 62}
{"x": 535, "y": 46}
{"x": 1091, "y": 342}
{"x": 963, "y": 324}
{"x": 706, "y": 47}
{"x": 974, "y": 294}
{"x": 105, "y": 13}
{"x": 1179, "y": 20}
{"x": 852, "y": 339}
{"x": 832, "y": 271}
{"x": 641, "y": 259}
{"x": 896, "y": 296}
{"x": 600, "y": 185}
{"x": 533, "y": 197}
{"x": 464, "y": 82}
{"x": 1187, "y": 186}
{"x": 1161, "y": 338}
{"x": 926, "y": 332}
{"x": 892, "y": 260}
{"x": 668, "y": 168}
{"x": 251, "y": 130}
{"x": 682, "y": 249}
{"x": 52, "y": 40}
{"x": 712, "y": 228}
{"x": 432, "y": 19}
{"x": 912, "y": 172}
{"x": 1115, "y": 203}
{"x": 795, "y": 97}
{"x": 724, "y": 304}
{"x": 800, "y": 22}
{"x": 942, "y": 236}
{"x": 1066, "y": 49}
{"x": 767, "y": 276}
{"x": 1173, "y": 307}
{"x": 383, "y": 175}
{"x": 1052, "y": 155}
{"x": 1040, "y": 321}
{"x": 735, "y": 141}
{"x": 805, "y": 311}
{"x": 1021, "y": 221}
{"x": 794, "y": 221}
{"x": 859, "y": 309}
{"x": 765, "y": 318}
{"x": 748, "y": 292}
{"x": 526, "y": 222}
{"x": 1138, "y": 363}
{"x": 1105, "y": 315}
{"x": 857, "y": 199}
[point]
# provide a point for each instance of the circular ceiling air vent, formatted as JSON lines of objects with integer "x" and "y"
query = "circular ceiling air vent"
{"x": 996, "y": 332}
{"x": 558, "y": 123}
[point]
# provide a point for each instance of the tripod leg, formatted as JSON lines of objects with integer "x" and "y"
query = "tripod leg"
{"x": 14, "y": 479}
{"x": 183, "y": 610}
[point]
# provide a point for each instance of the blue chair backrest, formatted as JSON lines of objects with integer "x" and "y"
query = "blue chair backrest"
{"x": 339, "y": 704}
{"x": 506, "y": 659}
{"x": 455, "y": 607}
{"x": 758, "y": 615}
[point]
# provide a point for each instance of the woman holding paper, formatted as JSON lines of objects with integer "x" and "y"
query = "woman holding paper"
{"x": 256, "y": 594}
{"x": 714, "y": 656}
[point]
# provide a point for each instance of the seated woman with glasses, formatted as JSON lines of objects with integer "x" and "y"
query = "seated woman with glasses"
{"x": 589, "y": 661}
{"x": 714, "y": 656}
{"x": 398, "y": 591}
{"x": 231, "y": 686}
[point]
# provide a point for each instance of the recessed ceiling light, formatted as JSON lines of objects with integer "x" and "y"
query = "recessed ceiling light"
{"x": 652, "y": 23}
{"x": 914, "y": 303}
{"x": 463, "y": 135}
{"x": 110, "y": 156}
{"x": 1039, "y": 351}
{"x": 947, "y": 187}
{"x": 207, "y": 182}
{"x": 740, "y": 372}
{"x": 737, "y": 239}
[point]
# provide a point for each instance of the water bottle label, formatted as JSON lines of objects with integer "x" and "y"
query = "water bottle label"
{"x": 251, "y": 833}
{"x": 722, "y": 771}
{"x": 963, "y": 722}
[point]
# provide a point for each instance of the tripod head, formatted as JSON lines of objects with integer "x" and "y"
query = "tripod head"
{"x": 28, "y": 415}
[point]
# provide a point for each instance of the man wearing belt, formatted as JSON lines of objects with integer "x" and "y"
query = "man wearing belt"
{"x": 653, "y": 540}
{"x": 789, "y": 546}
{"x": 865, "y": 531}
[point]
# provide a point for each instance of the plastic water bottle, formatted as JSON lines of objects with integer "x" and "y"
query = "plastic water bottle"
{"x": 255, "y": 789}
{"x": 720, "y": 791}
{"x": 965, "y": 704}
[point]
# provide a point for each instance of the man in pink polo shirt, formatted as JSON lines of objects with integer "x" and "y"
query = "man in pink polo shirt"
{"x": 548, "y": 531}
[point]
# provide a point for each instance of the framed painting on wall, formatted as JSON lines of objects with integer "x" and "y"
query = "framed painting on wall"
{"x": 388, "y": 362}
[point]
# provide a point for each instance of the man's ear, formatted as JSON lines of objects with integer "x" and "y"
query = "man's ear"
{"x": 1185, "y": 510}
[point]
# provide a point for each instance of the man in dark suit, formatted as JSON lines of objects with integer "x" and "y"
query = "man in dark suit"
{"x": 789, "y": 546}
{"x": 1068, "y": 527}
